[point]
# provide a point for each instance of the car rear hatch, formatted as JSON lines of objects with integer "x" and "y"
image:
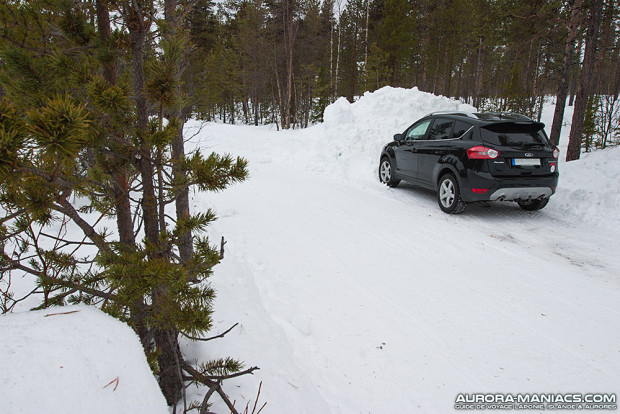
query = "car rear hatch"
{"x": 524, "y": 149}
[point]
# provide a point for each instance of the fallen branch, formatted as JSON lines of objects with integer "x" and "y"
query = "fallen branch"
{"x": 222, "y": 243}
{"x": 62, "y": 313}
{"x": 115, "y": 382}
{"x": 215, "y": 385}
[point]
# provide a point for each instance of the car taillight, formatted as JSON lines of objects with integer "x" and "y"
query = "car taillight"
{"x": 552, "y": 166}
{"x": 556, "y": 153}
{"x": 479, "y": 190}
{"x": 482, "y": 153}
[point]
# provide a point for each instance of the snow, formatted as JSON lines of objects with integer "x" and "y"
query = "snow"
{"x": 357, "y": 298}
{"x": 353, "y": 297}
{"x": 65, "y": 360}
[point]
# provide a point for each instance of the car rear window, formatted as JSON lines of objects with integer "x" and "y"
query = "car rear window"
{"x": 514, "y": 135}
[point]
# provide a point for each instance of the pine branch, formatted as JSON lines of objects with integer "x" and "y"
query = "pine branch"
{"x": 210, "y": 379}
{"x": 193, "y": 338}
{"x": 213, "y": 385}
{"x": 66, "y": 208}
{"x": 67, "y": 242}
{"x": 16, "y": 265}
{"x": 12, "y": 216}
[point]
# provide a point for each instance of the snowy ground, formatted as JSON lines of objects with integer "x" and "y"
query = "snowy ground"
{"x": 74, "y": 360}
{"x": 357, "y": 298}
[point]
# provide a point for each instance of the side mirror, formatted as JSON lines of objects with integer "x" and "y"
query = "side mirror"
{"x": 398, "y": 137}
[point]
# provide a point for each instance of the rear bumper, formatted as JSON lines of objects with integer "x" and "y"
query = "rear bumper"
{"x": 507, "y": 188}
{"x": 520, "y": 193}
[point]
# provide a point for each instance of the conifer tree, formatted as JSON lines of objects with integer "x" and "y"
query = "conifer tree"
{"x": 91, "y": 156}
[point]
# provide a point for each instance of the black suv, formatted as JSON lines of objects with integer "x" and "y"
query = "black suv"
{"x": 468, "y": 157}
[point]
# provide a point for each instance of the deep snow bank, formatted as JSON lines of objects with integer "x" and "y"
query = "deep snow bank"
{"x": 589, "y": 188}
{"x": 350, "y": 139}
{"x": 58, "y": 362}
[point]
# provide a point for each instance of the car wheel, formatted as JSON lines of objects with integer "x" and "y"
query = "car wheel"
{"x": 449, "y": 195}
{"x": 385, "y": 173}
{"x": 533, "y": 205}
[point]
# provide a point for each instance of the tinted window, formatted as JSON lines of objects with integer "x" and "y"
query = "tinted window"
{"x": 514, "y": 135}
{"x": 460, "y": 128}
{"x": 441, "y": 129}
{"x": 417, "y": 131}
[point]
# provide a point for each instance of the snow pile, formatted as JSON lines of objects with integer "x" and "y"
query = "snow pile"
{"x": 349, "y": 141}
{"x": 589, "y": 188}
{"x": 352, "y": 134}
{"x": 74, "y": 360}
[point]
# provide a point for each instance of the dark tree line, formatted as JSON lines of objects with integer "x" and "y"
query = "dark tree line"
{"x": 283, "y": 61}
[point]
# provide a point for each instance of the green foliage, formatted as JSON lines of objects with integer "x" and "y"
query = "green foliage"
{"x": 11, "y": 138}
{"x": 75, "y": 157}
{"x": 220, "y": 367}
{"x": 109, "y": 99}
{"x": 60, "y": 129}
{"x": 215, "y": 172}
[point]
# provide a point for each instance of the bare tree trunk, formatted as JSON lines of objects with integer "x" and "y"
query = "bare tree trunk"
{"x": 603, "y": 45}
{"x": 575, "y": 74}
{"x": 479, "y": 73}
{"x": 331, "y": 62}
{"x": 427, "y": 42}
{"x": 289, "y": 37}
{"x": 558, "y": 116}
{"x": 366, "y": 47}
{"x": 353, "y": 83}
{"x": 337, "y": 54}
{"x": 584, "y": 91}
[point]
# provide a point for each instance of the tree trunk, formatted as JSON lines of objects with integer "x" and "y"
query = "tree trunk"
{"x": 186, "y": 248}
{"x": 353, "y": 83}
{"x": 558, "y": 116}
{"x": 289, "y": 36}
{"x": 170, "y": 382}
{"x": 584, "y": 91}
{"x": 103, "y": 27}
{"x": 575, "y": 73}
{"x": 337, "y": 61}
{"x": 479, "y": 73}
{"x": 366, "y": 47}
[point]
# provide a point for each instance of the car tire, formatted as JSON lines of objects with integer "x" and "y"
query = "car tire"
{"x": 449, "y": 195}
{"x": 533, "y": 205}
{"x": 386, "y": 175}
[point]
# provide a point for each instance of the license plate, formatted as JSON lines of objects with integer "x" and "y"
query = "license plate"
{"x": 526, "y": 161}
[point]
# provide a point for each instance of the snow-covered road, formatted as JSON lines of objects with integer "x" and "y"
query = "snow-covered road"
{"x": 358, "y": 298}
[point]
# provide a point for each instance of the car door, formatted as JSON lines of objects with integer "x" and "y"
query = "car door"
{"x": 431, "y": 148}
{"x": 407, "y": 152}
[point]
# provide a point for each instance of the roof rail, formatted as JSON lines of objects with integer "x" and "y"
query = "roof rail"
{"x": 513, "y": 115}
{"x": 463, "y": 113}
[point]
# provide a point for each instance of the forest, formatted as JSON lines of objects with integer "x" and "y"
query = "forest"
{"x": 284, "y": 61}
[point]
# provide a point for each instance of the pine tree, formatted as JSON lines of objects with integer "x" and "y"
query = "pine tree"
{"x": 91, "y": 139}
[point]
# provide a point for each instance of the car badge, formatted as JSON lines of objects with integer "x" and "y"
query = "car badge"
{"x": 529, "y": 154}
